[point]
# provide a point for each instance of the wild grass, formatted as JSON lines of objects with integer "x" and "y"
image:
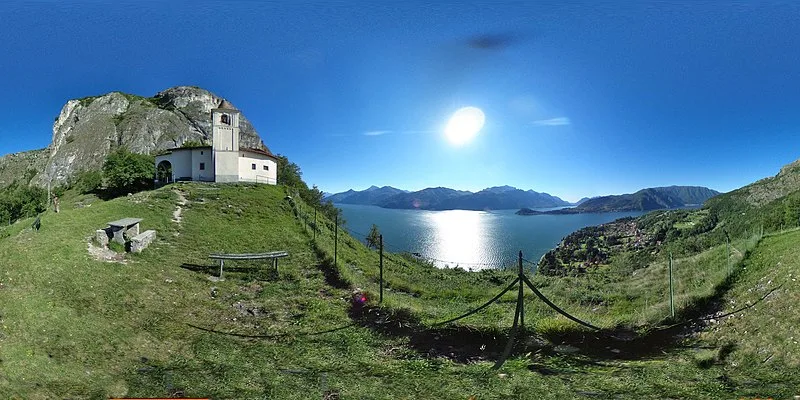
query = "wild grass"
{"x": 75, "y": 327}
{"x": 611, "y": 296}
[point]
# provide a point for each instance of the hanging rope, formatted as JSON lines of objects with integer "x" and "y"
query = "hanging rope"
{"x": 555, "y": 307}
{"x": 511, "y": 336}
{"x": 495, "y": 298}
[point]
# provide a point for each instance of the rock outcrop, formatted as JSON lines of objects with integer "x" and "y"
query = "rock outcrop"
{"x": 88, "y": 129}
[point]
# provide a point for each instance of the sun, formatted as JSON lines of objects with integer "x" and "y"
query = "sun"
{"x": 464, "y": 125}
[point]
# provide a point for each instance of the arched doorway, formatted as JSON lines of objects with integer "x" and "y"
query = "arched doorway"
{"x": 164, "y": 172}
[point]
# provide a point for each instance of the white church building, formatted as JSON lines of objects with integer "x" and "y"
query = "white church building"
{"x": 223, "y": 161}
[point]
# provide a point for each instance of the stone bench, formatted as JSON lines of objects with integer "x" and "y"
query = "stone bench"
{"x": 142, "y": 240}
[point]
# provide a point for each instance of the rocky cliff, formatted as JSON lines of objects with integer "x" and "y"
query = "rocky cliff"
{"x": 88, "y": 129}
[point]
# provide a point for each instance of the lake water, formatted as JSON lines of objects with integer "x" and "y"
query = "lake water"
{"x": 469, "y": 239}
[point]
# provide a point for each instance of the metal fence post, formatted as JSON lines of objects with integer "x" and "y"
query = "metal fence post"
{"x": 335, "y": 240}
{"x": 728, "y": 247}
{"x": 521, "y": 306}
{"x": 671, "y": 293}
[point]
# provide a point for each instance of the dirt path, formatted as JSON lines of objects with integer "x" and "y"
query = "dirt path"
{"x": 182, "y": 201}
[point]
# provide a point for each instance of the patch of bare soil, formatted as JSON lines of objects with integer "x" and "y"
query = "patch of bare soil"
{"x": 104, "y": 254}
{"x": 182, "y": 201}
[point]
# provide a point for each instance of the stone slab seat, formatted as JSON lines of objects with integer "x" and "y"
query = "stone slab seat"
{"x": 125, "y": 222}
{"x": 142, "y": 240}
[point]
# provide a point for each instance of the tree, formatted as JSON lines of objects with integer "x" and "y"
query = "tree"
{"x": 127, "y": 172}
{"x": 89, "y": 181}
{"x": 20, "y": 201}
{"x": 290, "y": 175}
{"x": 373, "y": 238}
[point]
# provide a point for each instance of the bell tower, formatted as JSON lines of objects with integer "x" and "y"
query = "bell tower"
{"x": 225, "y": 138}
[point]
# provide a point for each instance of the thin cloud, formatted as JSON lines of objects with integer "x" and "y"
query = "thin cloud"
{"x": 375, "y": 133}
{"x": 413, "y": 132}
{"x": 559, "y": 121}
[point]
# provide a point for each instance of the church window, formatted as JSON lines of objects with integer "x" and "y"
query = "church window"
{"x": 266, "y": 168}
{"x": 254, "y": 166}
{"x": 225, "y": 119}
{"x": 202, "y": 166}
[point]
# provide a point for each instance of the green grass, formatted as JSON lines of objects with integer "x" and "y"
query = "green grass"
{"x": 765, "y": 336}
{"x": 611, "y": 296}
{"x": 75, "y": 327}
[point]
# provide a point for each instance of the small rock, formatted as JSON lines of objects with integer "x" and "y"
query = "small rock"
{"x": 502, "y": 376}
{"x": 565, "y": 348}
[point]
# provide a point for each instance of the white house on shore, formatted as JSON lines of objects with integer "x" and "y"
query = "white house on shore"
{"x": 223, "y": 161}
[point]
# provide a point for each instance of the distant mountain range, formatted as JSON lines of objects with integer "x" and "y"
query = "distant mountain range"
{"x": 372, "y": 196}
{"x": 441, "y": 198}
{"x": 643, "y": 200}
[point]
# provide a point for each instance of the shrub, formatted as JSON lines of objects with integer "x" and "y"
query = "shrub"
{"x": 18, "y": 201}
{"x": 290, "y": 175}
{"x": 190, "y": 144}
{"x": 89, "y": 182}
{"x": 127, "y": 172}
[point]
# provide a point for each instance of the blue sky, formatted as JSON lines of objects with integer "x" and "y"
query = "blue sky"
{"x": 581, "y": 99}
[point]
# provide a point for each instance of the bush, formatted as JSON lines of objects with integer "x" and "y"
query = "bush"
{"x": 289, "y": 175}
{"x": 18, "y": 201}
{"x": 89, "y": 182}
{"x": 127, "y": 172}
{"x": 190, "y": 144}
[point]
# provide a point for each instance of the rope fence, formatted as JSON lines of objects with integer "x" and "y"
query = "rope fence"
{"x": 521, "y": 281}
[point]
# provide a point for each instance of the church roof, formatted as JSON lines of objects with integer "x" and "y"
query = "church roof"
{"x": 226, "y": 105}
{"x": 257, "y": 151}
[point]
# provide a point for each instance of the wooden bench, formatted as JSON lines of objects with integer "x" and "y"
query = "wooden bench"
{"x": 274, "y": 256}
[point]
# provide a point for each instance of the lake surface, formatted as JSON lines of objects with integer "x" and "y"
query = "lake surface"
{"x": 469, "y": 239}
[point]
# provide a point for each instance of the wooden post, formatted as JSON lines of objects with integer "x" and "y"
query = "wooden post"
{"x": 380, "y": 239}
{"x": 671, "y": 293}
{"x": 221, "y": 264}
{"x": 728, "y": 247}
{"x": 335, "y": 240}
{"x": 521, "y": 294}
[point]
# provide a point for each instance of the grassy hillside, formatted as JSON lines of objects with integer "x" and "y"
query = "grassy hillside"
{"x": 155, "y": 324}
{"x": 765, "y": 336}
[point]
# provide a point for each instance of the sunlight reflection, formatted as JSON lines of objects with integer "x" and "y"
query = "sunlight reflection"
{"x": 459, "y": 236}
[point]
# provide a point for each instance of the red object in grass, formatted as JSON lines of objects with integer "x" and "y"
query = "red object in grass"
{"x": 359, "y": 298}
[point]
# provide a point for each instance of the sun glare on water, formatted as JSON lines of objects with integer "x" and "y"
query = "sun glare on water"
{"x": 464, "y": 125}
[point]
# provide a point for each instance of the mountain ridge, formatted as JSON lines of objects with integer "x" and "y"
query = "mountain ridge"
{"x": 442, "y": 198}
{"x": 647, "y": 199}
